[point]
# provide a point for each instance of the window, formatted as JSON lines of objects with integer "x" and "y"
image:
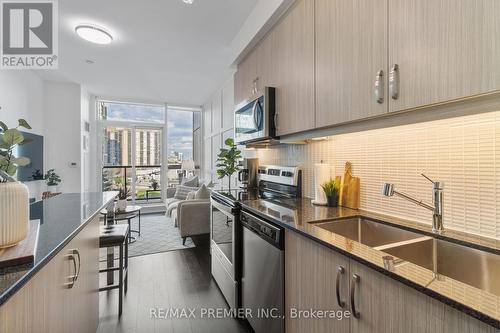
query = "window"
{"x": 117, "y": 111}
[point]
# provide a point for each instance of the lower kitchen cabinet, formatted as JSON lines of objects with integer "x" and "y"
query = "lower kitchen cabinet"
{"x": 384, "y": 305}
{"x": 310, "y": 276}
{"x": 47, "y": 304}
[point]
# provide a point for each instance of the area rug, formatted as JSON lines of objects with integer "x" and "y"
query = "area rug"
{"x": 158, "y": 234}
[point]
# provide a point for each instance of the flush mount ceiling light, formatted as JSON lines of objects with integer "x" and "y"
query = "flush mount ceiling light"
{"x": 94, "y": 34}
{"x": 189, "y": 2}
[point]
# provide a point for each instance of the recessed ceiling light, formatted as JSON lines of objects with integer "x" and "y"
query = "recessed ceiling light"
{"x": 189, "y": 2}
{"x": 94, "y": 34}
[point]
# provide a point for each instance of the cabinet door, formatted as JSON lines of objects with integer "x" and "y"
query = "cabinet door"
{"x": 351, "y": 49}
{"x": 244, "y": 78}
{"x": 388, "y": 306}
{"x": 310, "y": 273}
{"x": 445, "y": 49}
{"x": 289, "y": 53}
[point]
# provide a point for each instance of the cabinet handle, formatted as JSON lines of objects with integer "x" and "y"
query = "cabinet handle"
{"x": 379, "y": 87}
{"x": 79, "y": 263}
{"x": 355, "y": 280}
{"x": 394, "y": 82}
{"x": 72, "y": 278}
{"x": 276, "y": 120}
{"x": 340, "y": 272}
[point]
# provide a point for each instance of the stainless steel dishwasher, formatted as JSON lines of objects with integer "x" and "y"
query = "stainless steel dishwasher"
{"x": 263, "y": 274}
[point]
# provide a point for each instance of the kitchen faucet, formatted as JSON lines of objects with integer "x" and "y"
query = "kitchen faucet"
{"x": 437, "y": 199}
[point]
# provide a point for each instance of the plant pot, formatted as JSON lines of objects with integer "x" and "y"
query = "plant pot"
{"x": 14, "y": 216}
{"x": 52, "y": 188}
{"x": 332, "y": 201}
{"x": 121, "y": 205}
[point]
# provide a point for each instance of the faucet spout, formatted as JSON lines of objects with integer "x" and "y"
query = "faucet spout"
{"x": 437, "y": 198}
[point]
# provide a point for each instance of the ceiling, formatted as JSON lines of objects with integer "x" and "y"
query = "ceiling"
{"x": 163, "y": 50}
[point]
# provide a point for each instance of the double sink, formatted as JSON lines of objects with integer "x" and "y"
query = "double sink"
{"x": 474, "y": 267}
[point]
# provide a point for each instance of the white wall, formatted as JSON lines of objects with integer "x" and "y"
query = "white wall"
{"x": 63, "y": 128}
{"x": 21, "y": 96}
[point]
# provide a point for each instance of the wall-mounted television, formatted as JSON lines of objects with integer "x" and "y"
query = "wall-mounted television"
{"x": 33, "y": 151}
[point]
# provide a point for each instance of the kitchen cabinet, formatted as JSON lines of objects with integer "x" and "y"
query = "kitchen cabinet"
{"x": 384, "y": 304}
{"x": 351, "y": 55}
{"x": 46, "y": 304}
{"x": 245, "y": 79}
{"x": 290, "y": 52}
{"x": 444, "y": 50}
{"x": 310, "y": 273}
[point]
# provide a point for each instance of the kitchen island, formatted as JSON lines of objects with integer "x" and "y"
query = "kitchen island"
{"x": 58, "y": 292}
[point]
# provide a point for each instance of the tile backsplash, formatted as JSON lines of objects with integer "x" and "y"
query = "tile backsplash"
{"x": 463, "y": 153}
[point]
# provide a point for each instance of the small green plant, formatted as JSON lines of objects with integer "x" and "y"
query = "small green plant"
{"x": 123, "y": 194}
{"x": 10, "y": 138}
{"x": 227, "y": 160}
{"x": 331, "y": 189}
{"x": 52, "y": 178}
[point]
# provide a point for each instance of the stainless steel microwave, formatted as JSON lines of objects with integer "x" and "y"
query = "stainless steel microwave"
{"x": 255, "y": 121}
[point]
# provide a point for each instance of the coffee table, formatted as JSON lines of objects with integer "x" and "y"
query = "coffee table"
{"x": 128, "y": 214}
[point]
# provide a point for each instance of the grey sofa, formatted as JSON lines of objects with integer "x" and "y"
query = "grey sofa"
{"x": 192, "y": 217}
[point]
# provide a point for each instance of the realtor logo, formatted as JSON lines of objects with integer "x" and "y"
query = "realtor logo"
{"x": 29, "y": 38}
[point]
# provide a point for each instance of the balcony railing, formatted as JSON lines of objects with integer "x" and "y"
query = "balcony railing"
{"x": 148, "y": 179}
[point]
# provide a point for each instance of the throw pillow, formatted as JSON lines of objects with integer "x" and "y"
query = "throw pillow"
{"x": 202, "y": 193}
{"x": 191, "y": 195}
{"x": 182, "y": 191}
{"x": 193, "y": 182}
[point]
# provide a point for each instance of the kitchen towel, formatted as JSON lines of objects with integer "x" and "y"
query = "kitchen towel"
{"x": 321, "y": 175}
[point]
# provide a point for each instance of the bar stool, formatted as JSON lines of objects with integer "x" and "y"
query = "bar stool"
{"x": 116, "y": 235}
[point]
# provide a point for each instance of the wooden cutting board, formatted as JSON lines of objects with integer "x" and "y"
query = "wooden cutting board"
{"x": 24, "y": 252}
{"x": 349, "y": 189}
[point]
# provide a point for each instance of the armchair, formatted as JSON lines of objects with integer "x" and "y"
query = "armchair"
{"x": 193, "y": 217}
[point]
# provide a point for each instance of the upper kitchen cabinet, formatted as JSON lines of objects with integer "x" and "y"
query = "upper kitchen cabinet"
{"x": 289, "y": 54}
{"x": 443, "y": 50}
{"x": 245, "y": 79}
{"x": 351, "y": 60}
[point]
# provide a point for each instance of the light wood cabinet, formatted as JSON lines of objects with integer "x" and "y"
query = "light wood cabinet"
{"x": 351, "y": 49}
{"x": 310, "y": 273}
{"x": 45, "y": 304}
{"x": 245, "y": 79}
{"x": 384, "y": 305}
{"x": 290, "y": 53}
{"x": 445, "y": 49}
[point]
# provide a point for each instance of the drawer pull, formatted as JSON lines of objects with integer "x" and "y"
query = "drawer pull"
{"x": 340, "y": 272}
{"x": 394, "y": 82}
{"x": 355, "y": 280}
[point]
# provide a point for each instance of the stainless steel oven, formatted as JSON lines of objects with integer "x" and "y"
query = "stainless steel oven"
{"x": 254, "y": 120}
{"x": 224, "y": 216}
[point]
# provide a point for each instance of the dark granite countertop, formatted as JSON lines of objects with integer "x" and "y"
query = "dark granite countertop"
{"x": 61, "y": 218}
{"x": 301, "y": 215}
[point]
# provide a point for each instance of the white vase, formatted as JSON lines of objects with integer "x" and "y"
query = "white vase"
{"x": 14, "y": 213}
{"x": 121, "y": 205}
{"x": 52, "y": 188}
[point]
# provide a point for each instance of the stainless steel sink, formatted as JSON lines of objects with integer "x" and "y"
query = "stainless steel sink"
{"x": 471, "y": 266}
{"x": 368, "y": 232}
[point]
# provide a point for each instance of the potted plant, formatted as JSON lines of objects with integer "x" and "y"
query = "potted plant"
{"x": 14, "y": 204}
{"x": 37, "y": 175}
{"x": 52, "y": 179}
{"x": 227, "y": 161}
{"x": 154, "y": 184}
{"x": 121, "y": 204}
{"x": 331, "y": 189}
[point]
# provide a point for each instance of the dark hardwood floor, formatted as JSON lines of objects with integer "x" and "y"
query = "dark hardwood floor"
{"x": 176, "y": 279}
